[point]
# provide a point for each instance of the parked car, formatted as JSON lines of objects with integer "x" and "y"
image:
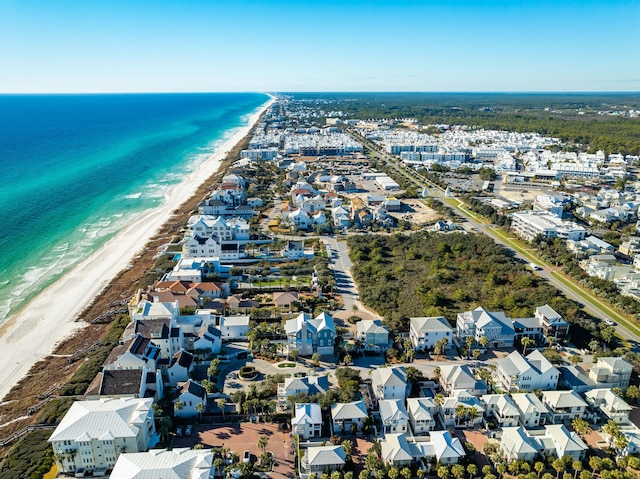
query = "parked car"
{"x": 246, "y": 456}
{"x": 609, "y": 322}
{"x": 187, "y": 431}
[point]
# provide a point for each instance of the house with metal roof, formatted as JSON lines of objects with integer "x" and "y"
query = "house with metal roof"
{"x": 307, "y": 421}
{"x": 517, "y": 373}
{"x": 180, "y": 463}
{"x": 346, "y": 415}
{"x": 94, "y": 433}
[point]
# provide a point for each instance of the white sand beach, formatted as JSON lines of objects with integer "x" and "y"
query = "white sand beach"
{"x": 34, "y": 332}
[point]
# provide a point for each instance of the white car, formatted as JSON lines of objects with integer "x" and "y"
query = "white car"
{"x": 246, "y": 456}
{"x": 609, "y": 322}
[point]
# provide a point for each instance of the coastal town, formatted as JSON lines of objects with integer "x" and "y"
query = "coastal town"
{"x": 255, "y": 347}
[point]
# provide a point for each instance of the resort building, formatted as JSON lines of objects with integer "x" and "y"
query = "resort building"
{"x": 93, "y": 433}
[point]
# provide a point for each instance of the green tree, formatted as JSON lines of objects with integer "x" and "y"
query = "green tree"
{"x": 539, "y": 467}
{"x": 632, "y": 394}
{"x": 577, "y": 468}
{"x": 347, "y": 445}
{"x": 263, "y": 441}
{"x": 581, "y": 426}
{"x": 178, "y": 406}
{"x": 406, "y": 473}
{"x": 559, "y": 466}
{"x": 315, "y": 357}
{"x": 221, "y": 403}
{"x": 526, "y": 342}
{"x": 200, "y": 409}
{"x": 458, "y": 471}
{"x": 393, "y": 473}
{"x": 472, "y": 470}
{"x": 443, "y": 472}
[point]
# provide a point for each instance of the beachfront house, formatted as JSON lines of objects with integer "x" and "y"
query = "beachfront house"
{"x": 94, "y": 433}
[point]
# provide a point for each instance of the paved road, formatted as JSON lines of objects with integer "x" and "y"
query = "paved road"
{"x": 345, "y": 285}
{"x": 277, "y": 204}
{"x": 587, "y": 301}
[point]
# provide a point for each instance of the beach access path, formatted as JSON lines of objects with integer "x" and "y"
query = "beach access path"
{"x": 33, "y": 333}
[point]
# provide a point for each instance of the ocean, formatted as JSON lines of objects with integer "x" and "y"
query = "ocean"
{"x": 76, "y": 168}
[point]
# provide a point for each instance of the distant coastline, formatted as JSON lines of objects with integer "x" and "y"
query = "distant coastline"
{"x": 33, "y": 333}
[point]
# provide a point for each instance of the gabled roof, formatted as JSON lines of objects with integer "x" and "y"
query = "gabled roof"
{"x": 94, "y": 418}
{"x": 614, "y": 363}
{"x": 516, "y": 440}
{"x": 608, "y": 397}
{"x": 351, "y": 410}
{"x": 307, "y": 413}
{"x": 419, "y": 408}
{"x": 393, "y": 410}
{"x": 445, "y": 445}
{"x": 160, "y": 463}
{"x": 371, "y": 326}
{"x": 502, "y": 403}
{"x": 430, "y": 325}
{"x": 192, "y": 387}
{"x": 285, "y": 298}
{"x": 563, "y": 399}
{"x": 326, "y": 456}
{"x": 564, "y": 440}
{"x": 389, "y": 377}
{"x": 396, "y": 448}
{"x": 528, "y": 403}
{"x": 182, "y": 358}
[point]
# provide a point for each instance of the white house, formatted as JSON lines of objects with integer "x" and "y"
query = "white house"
{"x": 495, "y": 326}
{"x": 390, "y": 383}
{"x": 611, "y": 372}
{"x": 456, "y": 378}
{"x": 136, "y": 353}
{"x": 442, "y": 447}
{"x": 190, "y": 395}
{"x": 346, "y": 415}
{"x": 94, "y": 433}
{"x": 426, "y": 332}
{"x": 307, "y": 421}
{"x": 180, "y": 367}
{"x": 519, "y": 444}
{"x": 180, "y": 463}
{"x": 318, "y": 458}
{"x": 563, "y": 406}
{"x": 394, "y": 416}
{"x": 517, "y": 373}
{"x": 532, "y": 412}
{"x": 234, "y": 327}
{"x": 503, "y": 410}
{"x": 422, "y": 413}
{"x": 209, "y": 338}
{"x": 609, "y": 404}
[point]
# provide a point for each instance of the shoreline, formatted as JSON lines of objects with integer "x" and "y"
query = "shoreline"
{"x": 50, "y": 318}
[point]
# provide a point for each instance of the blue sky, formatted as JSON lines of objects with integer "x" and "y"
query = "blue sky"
{"x": 325, "y": 45}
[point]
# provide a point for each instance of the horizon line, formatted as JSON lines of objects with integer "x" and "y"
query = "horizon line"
{"x": 270, "y": 92}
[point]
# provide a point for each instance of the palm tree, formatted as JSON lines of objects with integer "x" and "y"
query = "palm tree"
{"x": 472, "y": 414}
{"x": 460, "y": 412}
{"x": 315, "y": 357}
{"x": 526, "y": 342}
{"x": 539, "y": 467}
{"x": 559, "y": 466}
{"x": 178, "y": 406}
{"x": 472, "y": 470}
{"x": 439, "y": 400}
{"x": 612, "y": 429}
{"x": 217, "y": 464}
{"x": 484, "y": 341}
{"x": 501, "y": 469}
{"x": 458, "y": 471}
{"x": 393, "y": 473}
{"x": 581, "y": 426}
{"x": 405, "y": 473}
{"x": 577, "y": 467}
{"x": 221, "y": 403}
{"x": 347, "y": 445}
{"x": 262, "y": 442}
{"x": 200, "y": 407}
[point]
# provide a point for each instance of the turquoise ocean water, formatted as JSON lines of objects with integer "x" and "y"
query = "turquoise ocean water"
{"x": 74, "y": 169}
